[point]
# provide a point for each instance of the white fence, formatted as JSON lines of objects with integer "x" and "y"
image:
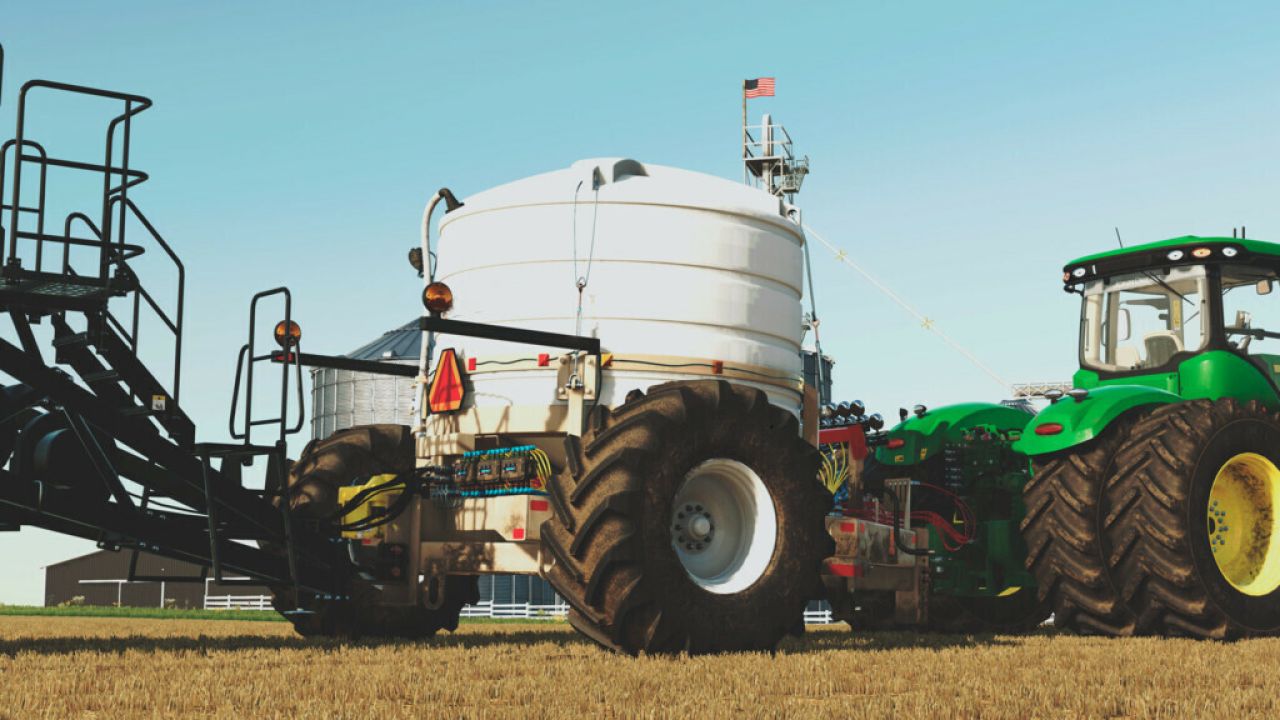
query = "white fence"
{"x": 525, "y": 611}
{"x": 237, "y": 602}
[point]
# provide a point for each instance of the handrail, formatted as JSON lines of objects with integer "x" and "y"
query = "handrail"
{"x": 134, "y": 104}
{"x": 244, "y": 369}
{"x": 39, "y": 208}
{"x": 174, "y": 323}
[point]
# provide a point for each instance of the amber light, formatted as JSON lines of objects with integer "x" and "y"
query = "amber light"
{"x": 1049, "y": 429}
{"x": 438, "y": 298}
{"x": 287, "y": 333}
{"x": 1201, "y": 252}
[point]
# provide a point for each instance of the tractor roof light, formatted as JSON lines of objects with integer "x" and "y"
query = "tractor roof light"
{"x": 876, "y": 421}
{"x": 1230, "y": 251}
{"x": 1175, "y": 255}
{"x": 1053, "y": 395}
{"x": 1201, "y": 252}
{"x": 1078, "y": 394}
{"x": 437, "y": 298}
{"x": 857, "y": 407}
{"x": 919, "y": 410}
{"x": 288, "y": 334}
{"x": 844, "y": 409}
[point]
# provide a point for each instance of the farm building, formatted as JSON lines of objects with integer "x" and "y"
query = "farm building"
{"x": 102, "y": 578}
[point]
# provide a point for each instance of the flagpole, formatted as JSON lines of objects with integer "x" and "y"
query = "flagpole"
{"x": 746, "y": 178}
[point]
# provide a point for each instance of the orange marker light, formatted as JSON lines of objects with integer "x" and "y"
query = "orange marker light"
{"x": 438, "y": 298}
{"x": 287, "y": 334}
{"x": 1201, "y": 252}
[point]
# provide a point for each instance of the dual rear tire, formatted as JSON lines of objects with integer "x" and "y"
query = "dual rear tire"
{"x": 1167, "y": 524}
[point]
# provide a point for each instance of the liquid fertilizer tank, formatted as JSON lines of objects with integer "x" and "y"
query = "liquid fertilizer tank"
{"x": 683, "y": 276}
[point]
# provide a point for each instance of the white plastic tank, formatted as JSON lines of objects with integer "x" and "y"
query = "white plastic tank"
{"x": 684, "y": 273}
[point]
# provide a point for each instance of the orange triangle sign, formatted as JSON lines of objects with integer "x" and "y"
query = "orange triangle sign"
{"x": 447, "y": 389}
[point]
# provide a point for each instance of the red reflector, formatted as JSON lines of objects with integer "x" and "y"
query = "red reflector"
{"x": 518, "y": 533}
{"x": 1049, "y": 429}
{"x": 471, "y": 364}
{"x": 848, "y": 527}
{"x": 447, "y": 389}
{"x": 844, "y": 569}
{"x": 539, "y": 505}
{"x": 717, "y": 366}
{"x": 895, "y": 443}
{"x": 544, "y": 359}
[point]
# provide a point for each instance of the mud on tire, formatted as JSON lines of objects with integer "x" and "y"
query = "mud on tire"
{"x": 611, "y": 531}
{"x": 1064, "y": 548}
{"x": 1157, "y": 524}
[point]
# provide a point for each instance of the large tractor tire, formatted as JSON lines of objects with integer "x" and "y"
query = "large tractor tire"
{"x": 1193, "y": 527}
{"x": 689, "y": 519}
{"x": 324, "y": 466}
{"x": 1061, "y": 529}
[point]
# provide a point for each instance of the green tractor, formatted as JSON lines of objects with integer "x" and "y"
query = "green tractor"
{"x": 1152, "y": 501}
{"x": 1153, "y": 504}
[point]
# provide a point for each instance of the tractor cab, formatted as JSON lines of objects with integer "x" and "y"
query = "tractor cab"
{"x": 1147, "y": 311}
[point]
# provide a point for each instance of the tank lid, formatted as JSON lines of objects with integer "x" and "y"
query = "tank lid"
{"x": 402, "y": 343}
{"x": 624, "y": 180}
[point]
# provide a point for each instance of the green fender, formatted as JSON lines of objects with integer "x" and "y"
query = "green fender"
{"x": 923, "y": 437}
{"x": 1084, "y": 420}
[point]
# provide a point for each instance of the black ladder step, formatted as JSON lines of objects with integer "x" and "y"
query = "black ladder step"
{"x": 72, "y": 340}
{"x": 136, "y": 411}
{"x": 104, "y": 375}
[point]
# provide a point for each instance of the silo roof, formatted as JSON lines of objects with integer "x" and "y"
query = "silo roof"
{"x": 402, "y": 343}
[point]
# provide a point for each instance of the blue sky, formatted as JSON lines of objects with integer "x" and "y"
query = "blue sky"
{"x": 960, "y": 151}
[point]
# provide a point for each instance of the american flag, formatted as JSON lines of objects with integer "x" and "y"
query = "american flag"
{"x": 760, "y": 87}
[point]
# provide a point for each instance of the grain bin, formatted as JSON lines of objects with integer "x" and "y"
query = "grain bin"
{"x": 345, "y": 398}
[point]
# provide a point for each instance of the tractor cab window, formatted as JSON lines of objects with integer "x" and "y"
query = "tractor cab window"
{"x": 1249, "y": 312}
{"x": 1139, "y": 321}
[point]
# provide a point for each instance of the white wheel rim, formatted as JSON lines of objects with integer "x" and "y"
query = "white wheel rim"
{"x": 723, "y": 526}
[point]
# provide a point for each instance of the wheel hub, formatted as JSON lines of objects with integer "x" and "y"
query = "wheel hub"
{"x": 1243, "y": 526}
{"x": 723, "y": 526}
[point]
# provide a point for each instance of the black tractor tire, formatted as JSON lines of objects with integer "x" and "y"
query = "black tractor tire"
{"x": 1157, "y": 528}
{"x": 1064, "y": 545}
{"x": 358, "y": 453}
{"x": 611, "y": 531}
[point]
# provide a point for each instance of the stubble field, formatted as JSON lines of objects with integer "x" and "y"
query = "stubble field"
{"x": 126, "y": 667}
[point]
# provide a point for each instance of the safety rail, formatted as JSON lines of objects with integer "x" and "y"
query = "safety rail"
{"x": 245, "y": 363}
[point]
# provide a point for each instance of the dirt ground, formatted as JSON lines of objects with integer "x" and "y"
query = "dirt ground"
{"x": 123, "y": 668}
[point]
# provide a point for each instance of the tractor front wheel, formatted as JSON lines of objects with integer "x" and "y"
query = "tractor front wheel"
{"x": 1064, "y": 548}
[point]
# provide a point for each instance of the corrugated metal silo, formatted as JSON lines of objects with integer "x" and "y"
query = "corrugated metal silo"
{"x": 344, "y": 398}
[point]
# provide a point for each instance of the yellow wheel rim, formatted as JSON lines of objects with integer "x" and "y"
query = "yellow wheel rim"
{"x": 1244, "y": 526}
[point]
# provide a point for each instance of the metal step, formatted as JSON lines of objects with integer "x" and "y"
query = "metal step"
{"x": 105, "y": 375}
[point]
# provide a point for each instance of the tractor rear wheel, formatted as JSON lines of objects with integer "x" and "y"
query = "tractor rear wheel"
{"x": 1193, "y": 526}
{"x": 324, "y": 466}
{"x": 689, "y": 519}
{"x": 1061, "y": 529}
